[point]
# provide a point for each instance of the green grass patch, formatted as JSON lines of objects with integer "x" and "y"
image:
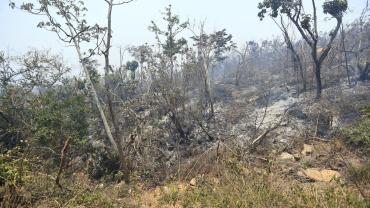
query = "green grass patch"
{"x": 358, "y": 135}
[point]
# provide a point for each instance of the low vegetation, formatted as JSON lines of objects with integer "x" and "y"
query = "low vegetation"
{"x": 191, "y": 120}
{"x": 358, "y": 135}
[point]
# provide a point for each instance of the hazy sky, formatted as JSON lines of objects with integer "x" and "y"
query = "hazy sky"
{"x": 130, "y": 22}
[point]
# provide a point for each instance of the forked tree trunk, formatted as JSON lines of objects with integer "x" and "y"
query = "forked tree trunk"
{"x": 124, "y": 161}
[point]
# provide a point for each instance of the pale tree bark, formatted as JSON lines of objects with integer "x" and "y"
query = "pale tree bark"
{"x": 107, "y": 68}
{"x": 345, "y": 56}
{"x": 242, "y": 64}
{"x": 204, "y": 51}
{"x": 95, "y": 97}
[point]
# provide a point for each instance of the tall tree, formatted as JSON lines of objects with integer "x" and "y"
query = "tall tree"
{"x": 166, "y": 65}
{"x": 105, "y": 50}
{"x": 298, "y": 66}
{"x": 167, "y": 40}
{"x": 242, "y": 56}
{"x": 211, "y": 50}
{"x": 358, "y": 42}
{"x": 307, "y": 25}
{"x": 67, "y": 19}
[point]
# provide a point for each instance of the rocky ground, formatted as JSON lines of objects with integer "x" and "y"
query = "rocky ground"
{"x": 270, "y": 149}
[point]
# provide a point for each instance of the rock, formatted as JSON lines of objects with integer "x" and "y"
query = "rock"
{"x": 193, "y": 182}
{"x": 286, "y": 157}
{"x": 216, "y": 181}
{"x": 182, "y": 187}
{"x": 297, "y": 157}
{"x": 307, "y": 150}
{"x": 157, "y": 191}
{"x": 166, "y": 190}
{"x": 301, "y": 174}
{"x": 321, "y": 175}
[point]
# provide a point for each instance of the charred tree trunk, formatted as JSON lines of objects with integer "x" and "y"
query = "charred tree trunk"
{"x": 318, "y": 79}
{"x": 62, "y": 162}
{"x": 301, "y": 72}
{"x": 364, "y": 72}
{"x": 295, "y": 56}
{"x": 178, "y": 125}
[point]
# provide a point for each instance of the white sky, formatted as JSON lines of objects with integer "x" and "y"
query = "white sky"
{"x": 130, "y": 22}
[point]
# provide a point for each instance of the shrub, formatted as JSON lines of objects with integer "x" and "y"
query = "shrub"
{"x": 358, "y": 135}
{"x": 360, "y": 174}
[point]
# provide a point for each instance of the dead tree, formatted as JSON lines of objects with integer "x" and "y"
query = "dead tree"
{"x": 290, "y": 45}
{"x": 242, "y": 63}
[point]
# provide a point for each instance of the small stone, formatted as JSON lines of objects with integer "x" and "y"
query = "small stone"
{"x": 166, "y": 190}
{"x": 216, "y": 181}
{"x": 354, "y": 163}
{"x": 193, "y": 182}
{"x": 181, "y": 187}
{"x": 307, "y": 150}
{"x": 297, "y": 156}
{"x": 157, "y": 191}
{"x": 321, "y": 175}
{"x": 286, "y": 157}
{"x": 301, "y": 174}
{"x": 120, "y": 185}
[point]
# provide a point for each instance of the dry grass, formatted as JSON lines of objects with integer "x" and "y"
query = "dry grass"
{"x": 223, "y": 179}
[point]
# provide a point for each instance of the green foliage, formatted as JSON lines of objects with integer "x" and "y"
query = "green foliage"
{"x": 306, "y": 22}
{"x": 132, "y": 66}
{"x": 336, "y": 8}
{"x": 92, "y": 67}
{"x": 222, "y": 44}
{"x": 57, "y": 116}
{"x": 142, "y": 53}
{"x": 366, "y": 111}
{"x": 274, "y": 7}
{"x": 293, "y": 8}
{"x": 105, "y": 166}
{"x": 358, "y": 135}
{"x": 91, "y": 199}
{"x": 12, "y": 168}
{"x": 56, "y": 12}
{"x": 217, "y": 43}
{"x": 11, "y": 114}
{"x": 9, "y": 170}
{"x": 171, "y": 46}
{"x": 39, "y": 190}
{"x": 171, "y": 194}
{"x": 360, "y": 174}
